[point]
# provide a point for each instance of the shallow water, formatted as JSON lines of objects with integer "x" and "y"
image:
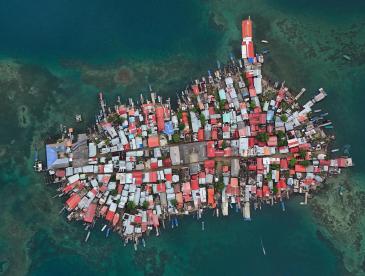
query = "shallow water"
{"x": 66, "y": 52}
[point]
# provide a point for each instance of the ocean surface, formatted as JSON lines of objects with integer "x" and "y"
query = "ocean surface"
{"x": 55, "y": 56}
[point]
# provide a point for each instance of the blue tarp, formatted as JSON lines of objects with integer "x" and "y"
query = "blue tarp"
{"x": 52, "y": 153}
{"x": 169, "y": 129}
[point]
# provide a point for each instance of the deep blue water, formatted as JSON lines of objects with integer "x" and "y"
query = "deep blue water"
{"x": 100, "y": 30}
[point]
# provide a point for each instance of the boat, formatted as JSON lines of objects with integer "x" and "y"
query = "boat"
{"x": 87, "y": 236}
{"x": 347, "y": 57}
{"x": 340, "y": 191}
{"x": 266, "y": 51}
{"x": 317, "y": 110}
{"x": 143, "y": 242}
{"x": 107, "y": 232}
{"x": 102, "y": 229}
{"x": 328, "y": 127}
{"x": 176, "y": 222}
{"x": 282, "y": 205}
{"x": 335, "y": 150}
{"x": 265, "y": 41}
{"x": 262, "y": 247}
{"x": 172, "y": 223}
{"x": 203, "y": 226}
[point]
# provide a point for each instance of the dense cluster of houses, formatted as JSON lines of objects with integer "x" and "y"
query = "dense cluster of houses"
{"x": 233, "y": 140}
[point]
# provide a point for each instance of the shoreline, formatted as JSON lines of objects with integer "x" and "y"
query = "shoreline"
{"x": 209, "y": 107}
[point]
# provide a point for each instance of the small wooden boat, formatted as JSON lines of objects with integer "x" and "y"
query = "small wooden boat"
{"x": 262, "y": 247}
{"x": 265, "y": 41}
{"x": 347, "y": 57}
{"x": 87, "y": 236}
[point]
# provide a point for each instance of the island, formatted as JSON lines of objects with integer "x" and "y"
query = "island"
{"x": 230, "y": 140}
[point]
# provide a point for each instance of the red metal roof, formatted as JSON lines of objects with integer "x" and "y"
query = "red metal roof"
{"x": 160, "y": 118}
{"x": 200, "y": 134}
{"x": 246, "y": 28}
{"x": 90, "y": 213}
{"x": 250, "y": 51}
{"x": 109, "y": 215}
{"x": 153, "y": 141}
{"x": 210, "y": 164}
{"x": 210, "y": 149}
{"x": 195, "y": 89}
{"x": 73, "y": 201}
{"x": 283, "y": 164}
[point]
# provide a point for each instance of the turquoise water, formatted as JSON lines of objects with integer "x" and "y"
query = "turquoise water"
{"x": 56, "y": 57}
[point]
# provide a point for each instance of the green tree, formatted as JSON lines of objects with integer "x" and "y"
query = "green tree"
{"x": 252, "y": 105}
{"x": 176, "y": 138}
{"x": 280, "y": 134}
{"x": 181, "y": 127}
{"x": 302, "y": 154}
{"x": 282, "y": 143}
{"x": 179, "y": 114}
{"x": 262, "y": 137}
{"x": 275, "y": 190}
{"x": 222, "y": 104}
{"x": 145, "y": 205}
{"x": 131, "y": 206}
{"x": 284, "y": 118}
{"x": 292, "y": 162}
{"x": 269, "y": 175}
{"x": 247, "y": 83}
{"x": 114, "y": 192}
{"x": 202, "y": 119}
{"x": 305, "y": 163}
{"x": 224, "y": 144}
{"x": 173, "y": 202}
{"x": 219, "y": 186}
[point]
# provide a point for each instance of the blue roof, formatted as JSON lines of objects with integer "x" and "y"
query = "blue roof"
{"x": 251, "y": 60}
{"x": 169, "y": 129}
{"x": 270, "y": 115}
{"x": 52, "y": 153}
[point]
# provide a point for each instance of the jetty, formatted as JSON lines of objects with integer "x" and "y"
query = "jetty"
{"x": 235, "y": 141}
